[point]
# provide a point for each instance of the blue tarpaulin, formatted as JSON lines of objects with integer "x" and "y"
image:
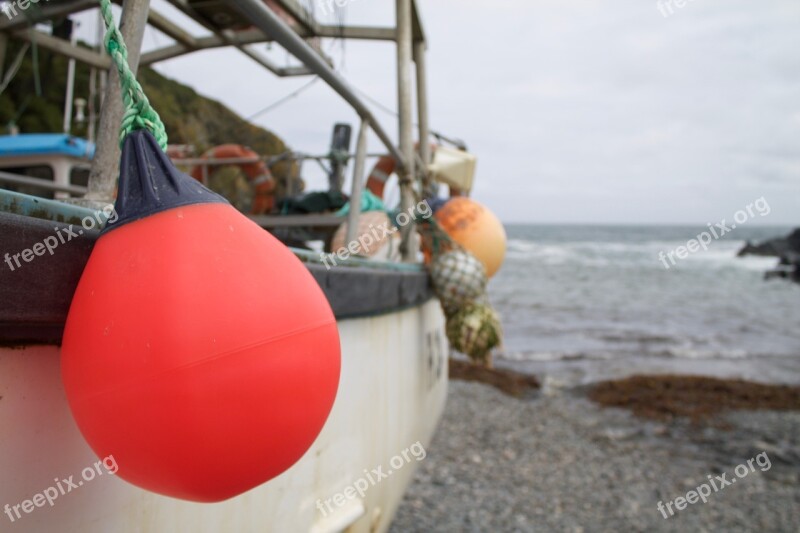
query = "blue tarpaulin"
{"x": 45, "y": 143}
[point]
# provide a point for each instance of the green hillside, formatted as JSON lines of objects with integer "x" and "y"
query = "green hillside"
{"x": 189, "y": 117}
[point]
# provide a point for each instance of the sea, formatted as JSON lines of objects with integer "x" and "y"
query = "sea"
{"x": 581, "y": 303}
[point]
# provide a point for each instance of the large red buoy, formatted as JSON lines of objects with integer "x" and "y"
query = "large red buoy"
{"x": 198, "y": 350}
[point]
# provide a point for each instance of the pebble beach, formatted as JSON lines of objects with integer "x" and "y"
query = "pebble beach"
{"x": 557, "y": 461}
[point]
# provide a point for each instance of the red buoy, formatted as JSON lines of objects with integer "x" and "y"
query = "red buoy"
{"x": 198, "y": 350}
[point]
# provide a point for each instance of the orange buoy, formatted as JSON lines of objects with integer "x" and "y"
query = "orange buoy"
{"x": 477, "y": 229}
{"x": 198, "y": 350}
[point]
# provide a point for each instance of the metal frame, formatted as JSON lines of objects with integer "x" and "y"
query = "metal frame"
{"x": 19, "y": 179}
{"x": 187, "y": 43}
{"x": 408, "y": 34}
{"x": 406, "y": 124}
{"x": 268, "y": 159}
{"x": 358, "y": 183}
{"x": 268, "y": 22}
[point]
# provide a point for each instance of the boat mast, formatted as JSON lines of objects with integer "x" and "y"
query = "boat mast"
{"x": 422, "y": 113}
{"x": 404, "y": 111}
{"x": 3, "y": 49}
{"x": 105, "y": 165}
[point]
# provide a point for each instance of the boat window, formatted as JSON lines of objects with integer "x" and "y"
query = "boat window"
{"x": 42, "y": 172}
{"x": 79, "y": 176}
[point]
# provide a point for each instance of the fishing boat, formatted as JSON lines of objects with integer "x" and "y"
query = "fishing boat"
{"x": 393, "y": 380}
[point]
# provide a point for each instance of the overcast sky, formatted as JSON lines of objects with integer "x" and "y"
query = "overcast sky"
{"x": 578, "y": 111}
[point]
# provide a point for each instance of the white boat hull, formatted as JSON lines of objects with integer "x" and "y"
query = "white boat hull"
{"x": 391, "y": 395}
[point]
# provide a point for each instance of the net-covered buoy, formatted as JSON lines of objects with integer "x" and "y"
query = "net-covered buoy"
{"x": 474, "y": 330}
{"x": 475, "y": 228}
{"x": 458, "y": 279}
{"x": 198, "y": 350}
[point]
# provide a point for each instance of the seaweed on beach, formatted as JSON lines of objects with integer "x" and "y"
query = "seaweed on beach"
{"x": 698, "y": 398}
{"x": 507, "y": 381}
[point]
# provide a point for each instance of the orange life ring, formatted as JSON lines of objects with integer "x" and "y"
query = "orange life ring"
{"x": 257, "y": 172}
{"x": 385, "y": 167}
{"x": 380, "y": 174}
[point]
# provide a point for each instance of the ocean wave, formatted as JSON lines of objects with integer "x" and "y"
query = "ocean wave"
{"x": 636, "y": 337}
{"x": 619, "y": 354}
{"x": 543, "y": 357}
{"x": 608, "y": 299}
{"x": 696, "y": 353}
{"x": 720, "y": 254}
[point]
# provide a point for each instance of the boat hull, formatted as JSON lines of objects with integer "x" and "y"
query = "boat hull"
{"x": 391, "y": 394}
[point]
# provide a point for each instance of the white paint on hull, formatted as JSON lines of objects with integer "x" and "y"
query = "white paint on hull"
{"x": 391, "y": 395}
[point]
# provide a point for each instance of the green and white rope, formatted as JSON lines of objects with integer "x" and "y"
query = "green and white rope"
{"x": 139, "y": 114}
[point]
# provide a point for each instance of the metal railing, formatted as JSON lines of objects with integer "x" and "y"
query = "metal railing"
{"x": 48, "y": 185}
{"x": 268, "y": 159}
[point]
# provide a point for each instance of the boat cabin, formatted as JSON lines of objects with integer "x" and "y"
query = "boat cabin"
{"x": 48, "y": 165}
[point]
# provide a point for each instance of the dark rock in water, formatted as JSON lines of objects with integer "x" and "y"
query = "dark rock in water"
{"x": 771, "y": 248}
{"x": 787, "y": 249}
{"x": 774, "y": 247}
{"x": 788, "y": 268}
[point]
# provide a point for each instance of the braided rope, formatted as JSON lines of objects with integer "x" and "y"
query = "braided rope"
{"x": 440, "y": 241}
{"x": 139, "y": 114}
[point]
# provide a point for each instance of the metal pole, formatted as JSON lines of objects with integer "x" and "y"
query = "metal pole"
{"x": 102, "y": 51}
{"x": 70, "y": 85}
{"x": 94, "y": 101}
{"x": 404, "y": 110}
{"x": 90, "y": 127}
{"x": 3, "y": 49}
{"x": 271, "y": 24}
{"x": 358, "y": 183}
{"x": 340, "y": 146}
{"x": 17, "y": 179}
{"x": 422, "y": 111}
{"x": 105, "y": 166}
